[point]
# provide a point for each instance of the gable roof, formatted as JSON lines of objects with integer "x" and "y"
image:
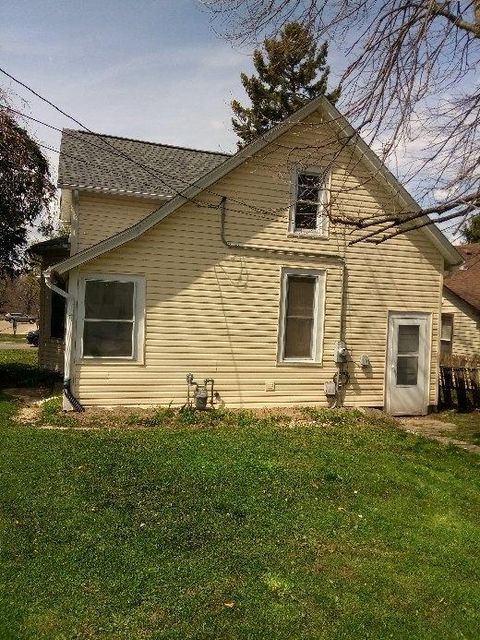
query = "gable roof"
{"x": 95, "y": 162}
{"x": 465, "y": 283}
{"x": 451, "y": 255}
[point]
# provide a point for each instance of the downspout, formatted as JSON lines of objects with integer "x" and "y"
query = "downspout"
{"x": 67, "y": 392}
{"x": 304, "y": 254}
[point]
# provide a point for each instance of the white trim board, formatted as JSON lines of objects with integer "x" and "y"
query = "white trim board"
{"x": 320, "y": 276}
{"x": 335, "y": 118}
{"x": 138, "y": 321}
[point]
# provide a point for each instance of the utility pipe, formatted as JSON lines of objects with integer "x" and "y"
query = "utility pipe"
{"x": 294, "y": 252}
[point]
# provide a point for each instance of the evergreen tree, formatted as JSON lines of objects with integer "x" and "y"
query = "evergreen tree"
{"x": 471, "y": 230}
{"x": 291, "y": 70}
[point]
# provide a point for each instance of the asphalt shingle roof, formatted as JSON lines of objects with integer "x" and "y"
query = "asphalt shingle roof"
{"x": 465, "y": 282}
{"x": 88, "y": 161}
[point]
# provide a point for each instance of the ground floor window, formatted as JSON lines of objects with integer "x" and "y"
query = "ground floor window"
{"x": 301, "y": 315}
{"x": 446, "y": 334}
{"x": 112, "y": 317}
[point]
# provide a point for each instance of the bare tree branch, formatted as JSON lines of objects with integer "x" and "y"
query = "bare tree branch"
{"x": 410, "y": 83}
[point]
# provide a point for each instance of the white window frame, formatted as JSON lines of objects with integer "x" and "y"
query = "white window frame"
{"x": 444, "y": 341}
{"x": 323, "y": 205}
{"x": 451, "y": 316}
{"x": 138, "y": 333}
{"x": 318, "y": 316}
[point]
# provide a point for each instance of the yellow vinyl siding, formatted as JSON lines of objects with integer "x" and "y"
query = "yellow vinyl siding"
{"x": 101, "y": 216}
{"x": 466, "y": 325}
{"x": 214, "y": 311}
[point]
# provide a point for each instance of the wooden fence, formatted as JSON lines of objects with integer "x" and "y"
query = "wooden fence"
{"x": 459, "y": 388}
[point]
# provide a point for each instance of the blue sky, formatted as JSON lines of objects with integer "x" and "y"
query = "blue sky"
{"x": 148, "y": 69}
{"x": 153, "y": 69}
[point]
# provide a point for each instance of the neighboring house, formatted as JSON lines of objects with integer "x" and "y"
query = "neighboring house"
{"x": 460, "y": 334}
{"x": 244, "y": 276}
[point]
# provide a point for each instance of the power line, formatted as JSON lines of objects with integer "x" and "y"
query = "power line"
{"x": 153, "y": 172}
{"x": 260, "y": 210}
{"x": 198, "y": 203}
{"x": 118, "y": 151}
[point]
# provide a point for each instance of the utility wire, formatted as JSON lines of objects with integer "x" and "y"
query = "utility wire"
{"x": 156, "y": 173}
{"x": 269, "y": 214}
{"x": 118, "y": 152}
{"x": 264, "y": 212}
{"x": 198, "y": 203}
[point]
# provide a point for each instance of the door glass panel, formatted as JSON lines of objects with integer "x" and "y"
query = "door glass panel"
{"x": 407, "y": 370}
{"x": 408, "y": 338}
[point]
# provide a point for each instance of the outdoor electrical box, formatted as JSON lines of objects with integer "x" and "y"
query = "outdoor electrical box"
{"x": 341, "y": 352}
{"x": 330, "y": 388}
{"x": 364, "y": 361}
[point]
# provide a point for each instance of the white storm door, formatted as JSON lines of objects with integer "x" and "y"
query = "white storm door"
{"x": 408, "y": 364}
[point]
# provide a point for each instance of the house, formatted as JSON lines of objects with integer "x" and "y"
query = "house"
{"x": 238, "y": 269}
{"x": 460, "y": 332}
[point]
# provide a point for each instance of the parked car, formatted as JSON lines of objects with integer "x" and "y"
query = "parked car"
{"x": 32, "y": 337}
{"x": 20, "y": 317}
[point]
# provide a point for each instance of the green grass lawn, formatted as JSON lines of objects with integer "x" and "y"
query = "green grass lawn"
{"x": 237, "y": 527}
{"x": 468, "y": 425}
{"x": 9, "y": 337}
{"x": 19, "y": 368}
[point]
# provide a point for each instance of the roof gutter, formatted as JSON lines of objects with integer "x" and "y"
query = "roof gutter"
{"x": 450, "y": 254}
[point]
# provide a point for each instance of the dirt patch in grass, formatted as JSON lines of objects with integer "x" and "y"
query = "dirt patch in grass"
{"x": 47, "y": 413}
{"x": 439, "y": 428}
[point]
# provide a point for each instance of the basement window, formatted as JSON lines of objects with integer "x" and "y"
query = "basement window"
{"x": 301, "y": 316}
{"x": 309, "y": 212}
{"x": 112, "y": 317}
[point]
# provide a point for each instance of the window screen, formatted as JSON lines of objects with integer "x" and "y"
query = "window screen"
{"x": 299, "y": 316}
{"x": 109, "y": 322}
{"x": 308, "y": 203}
{"x": 446, "y": 335}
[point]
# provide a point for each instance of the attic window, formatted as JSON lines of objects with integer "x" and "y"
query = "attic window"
{"x": 113, "y": 317}
{"x": 309, "y": 215}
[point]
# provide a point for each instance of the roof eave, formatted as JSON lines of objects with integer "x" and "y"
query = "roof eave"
{"x": 475, "y": 307}
{"x": 451, "y": 255}
{"x": 439, "y": 240}
{"x": 112, "y": 191}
